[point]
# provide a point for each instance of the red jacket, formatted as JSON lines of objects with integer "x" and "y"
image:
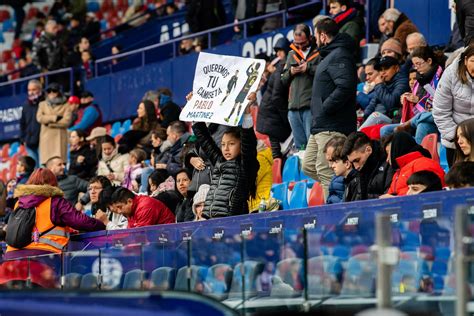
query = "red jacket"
{"x": 409, "y": 164}
{"x": 148, "y": 211}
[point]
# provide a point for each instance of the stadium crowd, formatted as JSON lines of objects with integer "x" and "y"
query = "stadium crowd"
{"x": 359, "y": 131}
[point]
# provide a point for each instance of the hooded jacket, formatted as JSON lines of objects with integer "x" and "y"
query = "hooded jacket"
{"x": 264, "y": 178}
{"x": 148, "y": 211}
{"x": 375, "y": 175}
{"x": 172, "y": 156}
{"x": 407, "y": 157}
{"x": 232, "y": 180}
{"x": 333, "y": 104}
{"x": 63, "y": 214}
{"x": 351, "y": 23}
{"x": 386, "y": 96}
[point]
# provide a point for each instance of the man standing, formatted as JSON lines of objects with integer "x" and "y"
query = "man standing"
{"x": 29, "y": 126}
{"x": 69, "y": 184}
{"x": 298, "y": 76}
{"x": 333, "y": 99}
{"x": 47, "y": 52}
{"x": 141, "y": 210}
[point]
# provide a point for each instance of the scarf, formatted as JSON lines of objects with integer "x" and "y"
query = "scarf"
{"x": 56, "y": 101}
{"x": 108, "y": 158}
{"x": 343, "y": 17}
{"x": 432, "y": 78}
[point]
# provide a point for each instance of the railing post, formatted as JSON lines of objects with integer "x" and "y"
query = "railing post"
{"x": 188, "y": 269}
{"x": 306, "y": 305}
{"x": 242, "y": 271}
{"x": 460, "y": 231}
{"x": 99, "y": 276}
{"x": 245, "y": 29}
{"x": 143, "y": 58}
{"x": 209, "y": 40}
{"x": 383, "y": 239}
{"x": 71, "y": 81}
{"x": 284, "y": 17}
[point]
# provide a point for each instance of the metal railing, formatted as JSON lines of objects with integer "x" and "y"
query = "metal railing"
{"x": 208, "y": 33}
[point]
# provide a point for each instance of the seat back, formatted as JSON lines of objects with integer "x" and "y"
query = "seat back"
{"x": 218, "y": 280}
{"x": 72, "y": 281}
{"x": 134, "y": 280}
{"x": 115, "y": 130}
{"x": 291, "y": 171}
{"x": 276, "y": 170}
{"x": 198, "y": 274}
{"x": 299, "y": 196}
{"x": 430, "y": 143}
{"x": 316, "y": 195}
{"x": 163, "y": 278}
{"x": 280, "y": 192}
{"x": 251, "y": 271}
{"x": 89, "y": 282}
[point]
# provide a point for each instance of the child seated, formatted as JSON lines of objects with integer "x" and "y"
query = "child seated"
{"x": 336, "y": 187}
{"x": 134, "y": 170}
{"x": 423, "y": 181}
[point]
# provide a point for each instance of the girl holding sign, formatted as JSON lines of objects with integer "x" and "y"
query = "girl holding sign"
{"x": 235, "y": 167}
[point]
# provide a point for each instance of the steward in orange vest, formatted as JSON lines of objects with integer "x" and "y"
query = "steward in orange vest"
{"x": 54, "y": 218}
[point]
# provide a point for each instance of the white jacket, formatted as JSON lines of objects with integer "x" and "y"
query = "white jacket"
{"x": 118, "y": 164}
{"x": 452, "y": 104}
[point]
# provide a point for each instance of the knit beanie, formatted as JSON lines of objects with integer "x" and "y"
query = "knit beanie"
{"x": 393, "y": 45}
{"x": 200, "y": 195}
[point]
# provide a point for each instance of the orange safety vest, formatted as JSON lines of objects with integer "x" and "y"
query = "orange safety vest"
{"x": 55, "y": 239}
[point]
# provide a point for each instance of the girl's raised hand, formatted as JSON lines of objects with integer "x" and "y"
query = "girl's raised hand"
{"x": 189, "y": 96}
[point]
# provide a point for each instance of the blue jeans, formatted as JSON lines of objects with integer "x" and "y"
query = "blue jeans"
{"x": 424, "y": 124}
{"x": 374, "y": 119}
{"x": 300, "y": 122}
{"x": 387, "y": 130}
{"x": 33, "y": 153}
{"x": 144, "y": 179}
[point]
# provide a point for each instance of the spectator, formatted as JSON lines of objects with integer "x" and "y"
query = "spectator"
{"x": 91, "y": 28}
{"x": 95, "y": 139}
{"x": 463, "y": 141}
{"x": 140, "y": 210}
{"x": 115, "y": 50}
{"x": 461, "y": 175}
{"x": 235, "y": 168}
{"x": 100, "y": 191}
{"x": 113, "y": 164}
{"x": 348, "y": 19}
{"x": 368, "y": 157}
{"x": 398, "y": 25}
{"x": 29, "y": 127}
{"x": 24, "y": 169}
{"x": 417, "y": 105}
{"x": 373, "y": 78}
{"x": 186, "y": 46}
{"x": 406, "y": 158}
{"x": 184, "y": 209}
{"x": 204, "y": 15}
{"x": 170, "y": 159}
{"x": 336, "y": 187}
{"x": 87, "y": 66}
{"x": 272, "y": 119}
{"x": 465, "y": 19}
{"x": 264, "y": 176}
{"x": 158, "y": 136}
{"x": 393, "y": 48}
{"x": 170, "y": 198}
{"x": 385, "y": 105}
{"x": 74, "y": 58}
{"x": 415, "y": 40}
{"x": 298, "y": 75}
{"x": 89, "y": 115}
{"x": 42, "y": 193}
{"x": 54, "y": 115}
{"x": 82, "y": 159}
{"x": 342, "y": 167}
{"x": 47, "y": 51}
{"x": 71, "y": 185}
{"x": 245, "y": 9}
{"x": 133, "y": 171}
{"x": 75, "y": 31}
{"x": 199, "y": 200}
{"x": 333, "y": 98}
{"x": 452, "y": 102}
{"x": 169, "y": 111}
{"x": 423, "y": 181}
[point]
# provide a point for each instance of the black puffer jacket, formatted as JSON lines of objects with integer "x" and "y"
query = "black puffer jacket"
{"x": 334, "y": 88}
{"x": 71, "y": 186}
{"x": 352, "y": 191}
{"x": 184, "y": 211}
{"x": 375, "y": 173}
{"x": 88, "y": 167}
{"x": 272, "y": 119}
{"x": 232, "y": 180}
{"x": 47, "y": 52}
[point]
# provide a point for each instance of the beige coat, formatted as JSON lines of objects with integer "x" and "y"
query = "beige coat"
{"x": 118, "y": 164}
{"x": 53, "y": 136}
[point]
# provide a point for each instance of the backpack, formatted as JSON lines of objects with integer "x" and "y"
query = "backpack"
{"x": 20, "y": 227}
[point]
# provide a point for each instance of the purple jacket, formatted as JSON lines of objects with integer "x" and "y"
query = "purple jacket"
{"x": 62, "y": 212}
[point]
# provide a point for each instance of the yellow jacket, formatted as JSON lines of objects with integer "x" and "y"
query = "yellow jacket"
{"x": 264, "y": 178}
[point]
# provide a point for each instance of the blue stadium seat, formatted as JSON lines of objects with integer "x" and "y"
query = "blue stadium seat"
{"x": 252, "y": 269}
{"x": 439, "y": 267}
{"x": 321, "y": 271}
{"x": 359, "y": 277}
{"x": 134, "y": 280}
{"x": 72, "y": 281}
{"x": 442, "y": 253}
{"x": 410, "y": 238}
{"x": 198, "y": 274}
{"x": 291, "y": 170}
{"x": 309, "y": 180}
{"x": 299, "y": 196}
{"x": 341, "y": 252}
{"x": 14, "y": 147}
{"x": 163, "y": 278}
{"x": 126, "y": 126}
{"x": 93, "y": 6}
{"x": 218, "y": 281}
{"x": 89, "y": 282}
{"x": 443, "y": 161}
{"x": 115, "y": 130}
{"x": 280, "y": 192}
{"x": 438, "y": 283}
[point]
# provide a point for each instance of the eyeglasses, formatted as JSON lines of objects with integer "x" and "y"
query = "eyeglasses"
{"x": 95, "y": 188}
{"x": 419, "y": 64}
{"x": 52, "y": 91}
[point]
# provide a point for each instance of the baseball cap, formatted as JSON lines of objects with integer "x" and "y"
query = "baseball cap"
{"x": 387, "y": 62}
